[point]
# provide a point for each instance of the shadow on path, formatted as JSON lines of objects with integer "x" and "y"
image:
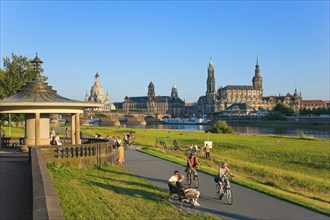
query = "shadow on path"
{"x": 15, "y": 185}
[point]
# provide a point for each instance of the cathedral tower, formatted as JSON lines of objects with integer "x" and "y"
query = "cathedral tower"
{"x": 151, "y": 91}
{"x": 174, "y": 93}
{"x": 210, "y": 84}
{"x": 210, "y": 78}
{"x": 257, "y": 79}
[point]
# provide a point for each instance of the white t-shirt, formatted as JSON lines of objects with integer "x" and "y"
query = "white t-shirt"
{"x": 173, "y": 179}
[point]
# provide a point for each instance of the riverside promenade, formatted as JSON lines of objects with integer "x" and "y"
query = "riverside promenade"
{"x": 15, "y": 185}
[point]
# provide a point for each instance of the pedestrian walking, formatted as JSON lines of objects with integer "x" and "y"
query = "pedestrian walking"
{"x": 120, "y": 157}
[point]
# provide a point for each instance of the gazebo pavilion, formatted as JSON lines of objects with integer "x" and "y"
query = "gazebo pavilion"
{"x": 37, "y": 100}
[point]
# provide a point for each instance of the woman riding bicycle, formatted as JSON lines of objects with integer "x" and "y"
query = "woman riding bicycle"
{"x": 223, "y": 170}
{"x": 192, "y": 163}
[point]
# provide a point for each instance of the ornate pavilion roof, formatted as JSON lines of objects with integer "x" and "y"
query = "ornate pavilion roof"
{"x": 39, "y": 93}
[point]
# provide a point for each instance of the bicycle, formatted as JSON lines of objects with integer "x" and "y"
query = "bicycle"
{"x": 224, "y": 190}
{"x": 192, "y": 178}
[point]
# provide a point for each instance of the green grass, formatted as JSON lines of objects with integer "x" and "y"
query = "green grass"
{"x": 14, "y": 131}
{"x": 112, "y": 193}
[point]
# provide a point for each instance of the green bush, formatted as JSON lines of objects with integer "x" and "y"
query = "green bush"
{"x": 221, "y": 127}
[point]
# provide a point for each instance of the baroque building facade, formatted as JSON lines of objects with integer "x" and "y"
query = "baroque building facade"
{"x": 151, "y": 103}
{"x": 241, "y": 98}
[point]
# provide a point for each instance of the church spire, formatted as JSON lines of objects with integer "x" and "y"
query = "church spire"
{"x": 86, "y": 96}
{"x": 210, "y": 63}
{"x": 107, "y": 98}
{"x": 257, "y": 62}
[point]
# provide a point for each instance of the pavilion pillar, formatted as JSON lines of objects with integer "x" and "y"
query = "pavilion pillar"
{"x": 77, "y": 122}
{"x": 73, "y": 129}
{"x": 37, "y": 128}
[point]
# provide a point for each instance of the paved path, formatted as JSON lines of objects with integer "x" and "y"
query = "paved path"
{"x": 248, "y": 204}
{"x": 15, "y": 185}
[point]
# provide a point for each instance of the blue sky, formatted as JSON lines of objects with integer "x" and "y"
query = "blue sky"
{"x": 130, "y": 43}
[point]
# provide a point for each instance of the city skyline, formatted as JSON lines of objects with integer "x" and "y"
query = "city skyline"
{"x": 130, "y": 44}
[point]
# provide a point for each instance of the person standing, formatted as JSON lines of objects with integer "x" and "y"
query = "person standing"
{"x": 66, "y": 132}
{"x": 53, "y": 133}
{"x": 114, "y": 142}
{"x": 207, "y": 151}
{"x": 120, "y": 157}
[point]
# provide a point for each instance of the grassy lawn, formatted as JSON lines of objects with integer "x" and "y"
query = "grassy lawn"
{"x": 112, "y": 193}
{"x": 15, "y": 131}
{"x": 291, "y": 168}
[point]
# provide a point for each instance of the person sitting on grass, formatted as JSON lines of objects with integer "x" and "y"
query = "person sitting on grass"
{"x": 190, "y": 193}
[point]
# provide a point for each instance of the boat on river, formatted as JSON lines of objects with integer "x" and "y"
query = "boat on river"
{"x": 94, "y": 121}
{"x": 192, "y": 121}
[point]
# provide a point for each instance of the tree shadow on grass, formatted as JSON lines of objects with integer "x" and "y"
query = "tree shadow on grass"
{"x": 138, "y": 193}
{"x": 131, "y": 183}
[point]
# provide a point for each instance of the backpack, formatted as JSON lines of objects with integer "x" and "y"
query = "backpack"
{"x": 216, "y": 178}
{"x": 53, "y": 142}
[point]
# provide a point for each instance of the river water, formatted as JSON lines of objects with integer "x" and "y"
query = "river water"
{"x": 274, "y": 129}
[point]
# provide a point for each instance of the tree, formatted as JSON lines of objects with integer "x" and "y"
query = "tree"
{"x": 305, "y": 111}
{"x": 283, "y": 109}
{"x": 221, "y": 127}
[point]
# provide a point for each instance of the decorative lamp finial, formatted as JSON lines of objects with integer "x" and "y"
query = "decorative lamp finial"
{"x": 36, "y": 63}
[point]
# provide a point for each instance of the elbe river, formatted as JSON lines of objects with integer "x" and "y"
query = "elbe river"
{"x": 320, "y": 131}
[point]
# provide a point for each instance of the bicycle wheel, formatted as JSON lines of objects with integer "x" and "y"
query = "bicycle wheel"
{"x": 217, "y": 188}
{"x": 189, "y": 179}
{"x": 229, "y": 196}
{"x": 195, "y": 180}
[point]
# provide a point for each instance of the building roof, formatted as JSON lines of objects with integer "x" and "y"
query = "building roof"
{"x": 144, "y": 99}
{"x": 313, "y": 102}
{"x": 137, "y": 99}
{"x": 238, "y": 87}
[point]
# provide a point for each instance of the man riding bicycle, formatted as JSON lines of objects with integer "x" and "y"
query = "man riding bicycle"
{"x": 192, "y": 163}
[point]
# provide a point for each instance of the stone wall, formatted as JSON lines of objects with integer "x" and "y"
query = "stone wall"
{"x": 81, "y": 155}
{"x": 45, "y": 202}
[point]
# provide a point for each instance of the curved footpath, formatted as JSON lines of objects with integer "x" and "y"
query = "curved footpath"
{"x": 248, "y": 204}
